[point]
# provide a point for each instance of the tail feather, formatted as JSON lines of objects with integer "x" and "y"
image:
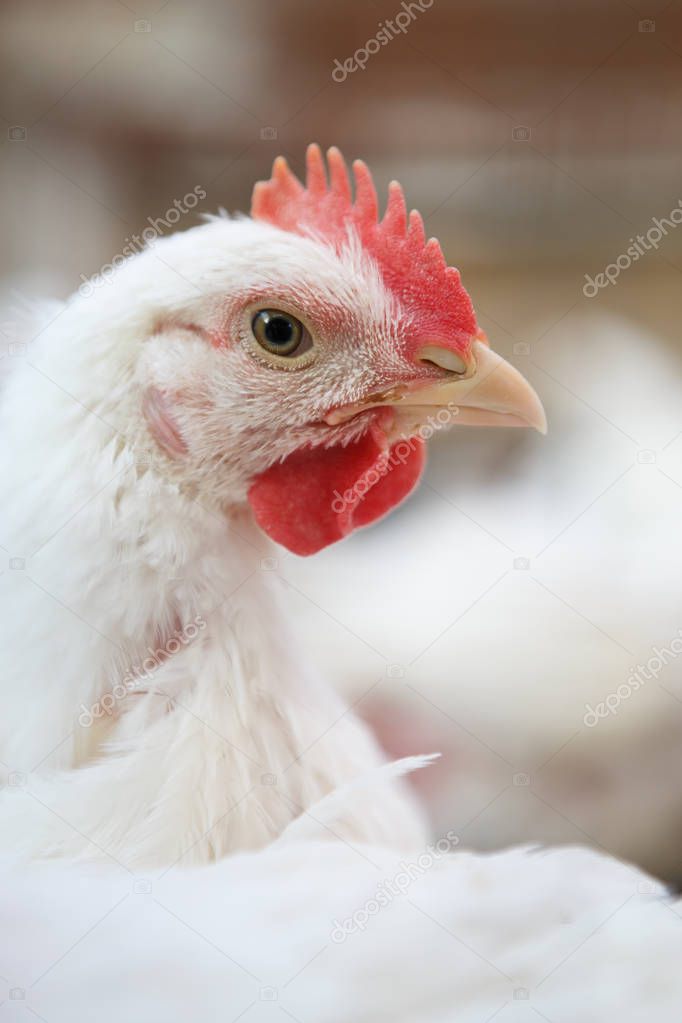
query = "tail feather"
{"x": 323, "y": 815}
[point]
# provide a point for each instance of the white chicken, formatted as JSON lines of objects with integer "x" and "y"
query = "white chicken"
{"x": 155, "y": 714}
{"x": 282, "y": 362}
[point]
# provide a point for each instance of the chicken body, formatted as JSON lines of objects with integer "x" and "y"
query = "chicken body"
{"x": 216, "y": 742}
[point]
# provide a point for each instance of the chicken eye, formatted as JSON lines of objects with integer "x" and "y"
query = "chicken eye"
{"x": 280, "y": 333}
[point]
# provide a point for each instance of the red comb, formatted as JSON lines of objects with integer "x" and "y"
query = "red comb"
{"x": 414, "y": 269}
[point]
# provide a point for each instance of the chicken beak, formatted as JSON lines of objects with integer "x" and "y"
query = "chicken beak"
{"x": 485, "y": 390}
{"x": 491, "y": 392}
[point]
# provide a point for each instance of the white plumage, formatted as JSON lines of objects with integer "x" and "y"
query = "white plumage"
{"x": 123, "y": 551}
{"x": 520, "y": 936}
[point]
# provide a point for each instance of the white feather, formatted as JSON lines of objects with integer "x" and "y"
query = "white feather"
{"x": 517, "y": 936}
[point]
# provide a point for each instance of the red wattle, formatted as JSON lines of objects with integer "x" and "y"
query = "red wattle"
{"x": 317, "y": 496}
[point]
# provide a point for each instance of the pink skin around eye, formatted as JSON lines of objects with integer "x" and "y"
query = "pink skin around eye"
{"x": 329, "y": 319}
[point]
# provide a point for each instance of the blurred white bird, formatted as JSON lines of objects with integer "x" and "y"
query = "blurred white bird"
{"x": 296, "y": 932}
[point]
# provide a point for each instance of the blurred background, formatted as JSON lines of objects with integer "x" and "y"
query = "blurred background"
{"x": 499, "y": 615}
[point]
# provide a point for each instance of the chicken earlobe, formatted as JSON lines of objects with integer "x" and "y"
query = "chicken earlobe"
{"x": 161, "y": 422}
